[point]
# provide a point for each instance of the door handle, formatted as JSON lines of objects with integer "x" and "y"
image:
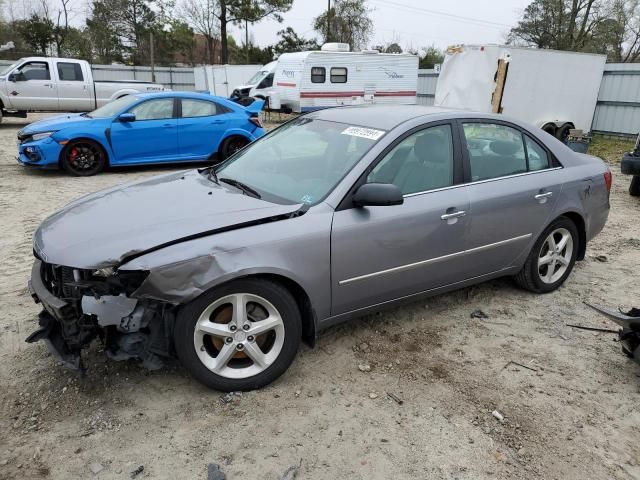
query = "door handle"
{"x": 542, "y": 196}
{"x": 449, "y": 216}
{"x": 217, "y": 122}
{"x": 168, "y": 125}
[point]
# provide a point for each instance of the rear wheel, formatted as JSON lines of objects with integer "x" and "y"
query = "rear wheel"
{"x": 240, "y": 336}
{"x": 230, "y": 146}
{"x": 83, "y": 158}
{"x": 634, "y": 188}
{"x": 551, "y": 259}
{"x": 562, "y": 133}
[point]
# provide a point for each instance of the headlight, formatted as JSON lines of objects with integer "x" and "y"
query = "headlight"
{"x": 41, "y": 136}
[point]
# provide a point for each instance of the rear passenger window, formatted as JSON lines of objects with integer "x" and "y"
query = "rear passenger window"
{"x": 197, "y": 108}
{"x": 538, "y": 158}
{"x": 494, "y": 150}
{"x": 318, "y": 74}
{"x": 338, "y": 75}
{"x": 70, "y": 72}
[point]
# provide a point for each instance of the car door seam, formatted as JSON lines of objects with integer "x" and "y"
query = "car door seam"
{"x": 434, "y": 260}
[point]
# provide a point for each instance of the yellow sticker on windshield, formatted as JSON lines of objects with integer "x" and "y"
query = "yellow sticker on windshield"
{"x": 369, "y": 133}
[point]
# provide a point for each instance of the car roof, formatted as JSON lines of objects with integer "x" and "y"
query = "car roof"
{"x": 172, "y": 94}
{"x": 384, "y": 117}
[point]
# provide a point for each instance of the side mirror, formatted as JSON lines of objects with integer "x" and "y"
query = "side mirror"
{"x": 16, "y": 77}
{"x": 127, "y": 117}
{"x": 378, "y": 195}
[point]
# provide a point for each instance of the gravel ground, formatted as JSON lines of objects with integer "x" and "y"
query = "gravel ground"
{"x": 405, "y": 394}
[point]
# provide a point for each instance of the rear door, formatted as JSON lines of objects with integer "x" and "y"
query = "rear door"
{"x": 152, "y": 137}
{"x": 32, "y": 87}
{"x": 201, "y": 125}
{"x": 513, "y": 187}
{"x": 382, "y": 253}
{"x": 74, "y": 92}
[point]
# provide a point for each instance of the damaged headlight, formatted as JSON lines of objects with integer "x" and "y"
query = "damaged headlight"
{"x": 104, "y": 272}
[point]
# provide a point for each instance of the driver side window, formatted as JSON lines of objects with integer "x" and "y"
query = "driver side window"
{"x": 421, "y": 162}
{"x": 34, "y": 71}
{"x": 158, "y": 109}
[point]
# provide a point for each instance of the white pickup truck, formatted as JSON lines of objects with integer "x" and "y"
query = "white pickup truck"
{"x": 59, "y": 85}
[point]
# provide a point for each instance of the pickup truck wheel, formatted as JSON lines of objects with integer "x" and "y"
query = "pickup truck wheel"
{"x": 634, "y": 188}
{"x": 230, "y": 146}
{"x": 83, "y": 158}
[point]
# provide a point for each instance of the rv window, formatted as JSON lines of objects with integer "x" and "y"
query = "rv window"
{"x": 338, "y": 75}
{"x": 318, "y": 74}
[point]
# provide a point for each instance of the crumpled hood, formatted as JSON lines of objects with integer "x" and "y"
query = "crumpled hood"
{"x": 103, "y": 228}
{"x": 57, "y": 122}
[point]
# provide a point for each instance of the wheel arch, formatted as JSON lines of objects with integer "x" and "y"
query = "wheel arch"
{"x": 580, "y": 224}
{"x": 105, "y": 151}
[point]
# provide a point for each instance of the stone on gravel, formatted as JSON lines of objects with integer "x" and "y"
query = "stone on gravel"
{"x": 95, "y": 468}
{"x": 364, "y": 367}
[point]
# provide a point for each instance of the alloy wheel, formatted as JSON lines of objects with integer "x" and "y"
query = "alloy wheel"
{"x": 555, "y": 255}
{"x": 239, "y": 335}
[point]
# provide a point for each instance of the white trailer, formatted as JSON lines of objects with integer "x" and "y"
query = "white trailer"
{"x": 220, "y": 79}
{"x": 305, "y": 81}
{"x": 554, "y": 90}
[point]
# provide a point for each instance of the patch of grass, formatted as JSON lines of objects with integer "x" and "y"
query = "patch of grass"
{"x": 610, "y": 149}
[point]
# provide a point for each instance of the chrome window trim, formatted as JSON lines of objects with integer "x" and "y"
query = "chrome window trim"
{"x": 434, "y": 260}
{"x": 408, "y": 195}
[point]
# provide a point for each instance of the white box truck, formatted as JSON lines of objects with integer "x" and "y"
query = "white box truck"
{"x": 334, "y": 76}
{"x": 556, "y": 91}
{"x": 220, "y": 79}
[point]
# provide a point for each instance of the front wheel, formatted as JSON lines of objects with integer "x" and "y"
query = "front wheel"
{"x": 240, "y": 336}
{"x": 83, "y": 158}
{"x": 551, "y": 259}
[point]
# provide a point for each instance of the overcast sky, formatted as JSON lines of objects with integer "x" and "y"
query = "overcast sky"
{"x": 412, "y": 23}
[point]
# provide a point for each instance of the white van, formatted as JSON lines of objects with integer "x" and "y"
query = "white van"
{"x": 333, "y": 76}
{"x": 220, "y": 79}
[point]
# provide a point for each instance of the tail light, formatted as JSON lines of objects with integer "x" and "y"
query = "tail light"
{"x": 608, "y": 180}
{"x": 256, "y": 121}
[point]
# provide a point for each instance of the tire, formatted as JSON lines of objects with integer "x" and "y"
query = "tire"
{"x": 562, "y": 133}
{"x": 537, "y": 277}
{"x": 206, "y": 328}
{"x": 634, "y": 187}
{"x": 231, "y": 145}
{"x": 83, "y": 158}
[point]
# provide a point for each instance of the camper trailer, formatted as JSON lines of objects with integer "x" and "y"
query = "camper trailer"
{"x": 334, "y": 76}
{"x": 556, "y": 91}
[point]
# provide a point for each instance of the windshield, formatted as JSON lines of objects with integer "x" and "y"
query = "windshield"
{"x": 257, "y": 77}
{"x": 9, "y": 68}
{"x": 302, "y": 161}
{"x": 113, "y": 108}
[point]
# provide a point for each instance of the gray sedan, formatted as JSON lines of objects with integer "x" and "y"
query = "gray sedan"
{"x": 333, "y": 215}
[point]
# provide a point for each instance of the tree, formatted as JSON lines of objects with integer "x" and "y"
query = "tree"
{"x": 103, "y": 31}
{"x": 430, "y": 57}
{"x": 559, "y": 24}
{"x": 201, "y": 16}
{"x": 349, "y": 22}
{"x": 290, "y": 41}
{"x": 238, "y": 11}
{"x": 392, "y": 47}
{"x": 37, "y": 32}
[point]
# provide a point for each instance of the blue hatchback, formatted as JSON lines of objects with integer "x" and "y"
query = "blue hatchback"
{"x": 141, "y": 129}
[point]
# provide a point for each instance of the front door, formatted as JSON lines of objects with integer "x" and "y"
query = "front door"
{"x": 31, "y": 87}
{"x": 382, "y": 253}
{"x": 151, "y": 138}
{"x": 514, "y": 187}
{"x": 201, "y": 125}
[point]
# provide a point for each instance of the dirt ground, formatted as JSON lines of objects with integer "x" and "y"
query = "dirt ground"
{"x": 569, "y": 398}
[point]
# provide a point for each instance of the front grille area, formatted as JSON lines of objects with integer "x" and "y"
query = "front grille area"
{"x": 23, "y": 138}
{"x": 60, "y": 280}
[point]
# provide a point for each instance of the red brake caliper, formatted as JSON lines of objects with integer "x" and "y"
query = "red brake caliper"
{"x": 73, "y": 154}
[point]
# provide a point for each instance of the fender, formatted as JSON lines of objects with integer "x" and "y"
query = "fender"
{"x": 124, "y": 92}
{"x": 90, "y": 136}
{"x": 237, "y": 132}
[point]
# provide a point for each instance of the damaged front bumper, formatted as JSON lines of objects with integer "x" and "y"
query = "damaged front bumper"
{"x": 629, "y": 334}
{"x": 79, "y": 307}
